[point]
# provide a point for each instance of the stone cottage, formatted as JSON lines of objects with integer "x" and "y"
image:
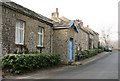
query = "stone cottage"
{"x": 23, "y": 30}
{"x": 93, "y": 38}
{"x": 90, "y": 37}
{"x": 70, "y": 36}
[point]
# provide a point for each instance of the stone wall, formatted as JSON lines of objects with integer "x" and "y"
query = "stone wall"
{"x": 61, "y": 38}
{"x": 60, "y": 43}
{"x": 8, "y": 31}
{"x": 30, "y": 35}
{"x": 72, "y": 34}
{"x": 96, "y": 41}
{"x": 1, "y": 29}
{"x": 82, "y": 40}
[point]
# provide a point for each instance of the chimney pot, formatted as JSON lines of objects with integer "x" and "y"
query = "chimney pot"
{"x": 88, "y": 26}
{"x": 81, "y": 24}
{"x": 57, "y": 10}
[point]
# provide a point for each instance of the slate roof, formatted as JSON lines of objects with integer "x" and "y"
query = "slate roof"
{"x": 92, "y": 31}
{"x": 85, "y": 30}
{"x": 89, "y": 30}
{"x": 65, "y": 23}
{"x": 62, "y": 23}
{"x": 26, "y": 11}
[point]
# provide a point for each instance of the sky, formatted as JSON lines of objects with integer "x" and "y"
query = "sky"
{"x": 98, "y": 14}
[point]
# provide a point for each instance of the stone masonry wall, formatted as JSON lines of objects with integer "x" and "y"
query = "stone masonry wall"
{"x": 82, "y": 40}
{"x": 30, "y": 35}
{"x": 72, "y": 34}
{"x": 61, "y": 40}
{"x": 8, "y": 31}
{"x": 60, "y": 43}
{"x": 96, "y": 40}
{"x": 1, "y": 30}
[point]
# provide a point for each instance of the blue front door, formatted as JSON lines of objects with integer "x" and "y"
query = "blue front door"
{"x": 71, "y": 48}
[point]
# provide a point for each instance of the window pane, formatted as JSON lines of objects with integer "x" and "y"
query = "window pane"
{"x": 41, "y": 30}
{"x": 38, "y": 39}
{"x": 40, "y": 36}
{"x": 17, "y": 24}
{"x": 21, "y": 36}
{"x": 41, "y": 40}
{"x": 17, "y": 35}
{"x": 21, "y": 25}
{"x": 19, "y": 39}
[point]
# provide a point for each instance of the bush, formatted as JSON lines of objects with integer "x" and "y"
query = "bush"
{"x": 87, "y": 53}
{"x": 17, "y": 63}
{"x": 84, "y": 54}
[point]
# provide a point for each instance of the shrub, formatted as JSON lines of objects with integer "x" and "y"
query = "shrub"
{"x": 84, "y": 54}
{"x": 87, "y": 53}
{"x": 100, "y": 50}
{"x": 19, "y": 62}
{"x": 76, "y": 56}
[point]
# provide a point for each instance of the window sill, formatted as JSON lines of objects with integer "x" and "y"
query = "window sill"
{"x": 40, "y": 47}
{"x": 20, "y": 44}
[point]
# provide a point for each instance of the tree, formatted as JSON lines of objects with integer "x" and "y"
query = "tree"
{"x": 105, "y": 34}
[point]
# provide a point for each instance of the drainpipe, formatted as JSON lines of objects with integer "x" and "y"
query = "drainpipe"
{"x": 51, "y": 37}
{"x": 50, "y": 40}
{"x": 1, "y": 28}
{"x": 66, "y": 32}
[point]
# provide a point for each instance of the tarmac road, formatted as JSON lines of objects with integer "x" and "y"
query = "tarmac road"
{"x": 104, "y": 68}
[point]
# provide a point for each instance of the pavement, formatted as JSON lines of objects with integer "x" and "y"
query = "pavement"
{"x": 44, "y": 72}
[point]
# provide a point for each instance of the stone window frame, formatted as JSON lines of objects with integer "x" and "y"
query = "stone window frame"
{"x": 21, "y": 27}
{"x": 40, "y": 33}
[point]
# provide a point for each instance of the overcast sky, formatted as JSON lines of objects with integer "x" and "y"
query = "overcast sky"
{"x": 98, "y": 14}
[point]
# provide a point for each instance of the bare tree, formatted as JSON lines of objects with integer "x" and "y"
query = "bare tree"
{"x": 105, "y": 34}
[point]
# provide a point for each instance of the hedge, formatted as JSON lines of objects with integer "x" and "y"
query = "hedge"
{"x": 18, "y": 63}
{"x": 87, "y": 53}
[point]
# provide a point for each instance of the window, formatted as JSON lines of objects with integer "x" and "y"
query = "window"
{"x": 19, "y": 34}
{"x": 40, "y": 36}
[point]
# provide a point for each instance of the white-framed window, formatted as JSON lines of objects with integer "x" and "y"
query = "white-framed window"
{"x": 19, "y": 33}
{"x": 40, "y": 36}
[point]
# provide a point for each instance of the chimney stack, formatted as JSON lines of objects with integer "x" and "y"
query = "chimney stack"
{"x": 81, "y": 23}
{"x": 88, "y": 26}
{"x": 56, "y": 9}
{"x": 57, "y": 12}
{"x": 55, "y": 15}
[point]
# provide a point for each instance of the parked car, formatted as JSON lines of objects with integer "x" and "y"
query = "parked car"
{"x": 108, "y": 49}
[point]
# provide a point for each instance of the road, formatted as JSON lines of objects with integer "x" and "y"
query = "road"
{"x": 104, "y": 68}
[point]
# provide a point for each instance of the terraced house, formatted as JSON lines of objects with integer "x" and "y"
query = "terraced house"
{"x": 24, "y": 31}
{"x": 70, "y": 36}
